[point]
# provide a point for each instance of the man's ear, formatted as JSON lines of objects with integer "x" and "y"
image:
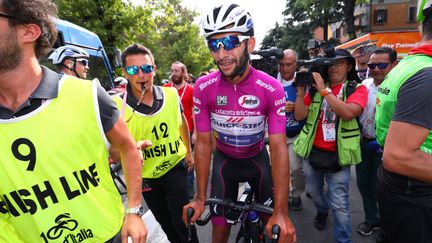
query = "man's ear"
{"x": 29, "y": 32}
{"x": 251, "y": 44}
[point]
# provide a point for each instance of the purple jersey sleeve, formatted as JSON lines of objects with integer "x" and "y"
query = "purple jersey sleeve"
{"x": 276, "y": 119}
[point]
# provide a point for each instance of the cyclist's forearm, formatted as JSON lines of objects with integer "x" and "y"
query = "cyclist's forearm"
{"x": 280, "y": 173}
{"x": 202, "y": 157}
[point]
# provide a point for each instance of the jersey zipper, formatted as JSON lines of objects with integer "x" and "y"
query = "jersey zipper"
{"x": 236, "y": 105}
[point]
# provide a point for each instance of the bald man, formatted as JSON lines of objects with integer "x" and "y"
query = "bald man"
{"x": 287, "y": 68}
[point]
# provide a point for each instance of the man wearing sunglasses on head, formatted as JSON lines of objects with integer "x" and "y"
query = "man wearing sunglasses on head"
{"x": 233, "y": 105}
{"x": 155, "y": 116}
{"x": 381, "y": 62}
{"x": 71, "y": 60}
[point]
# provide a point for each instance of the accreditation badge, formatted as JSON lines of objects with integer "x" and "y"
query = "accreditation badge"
{"x": 329, "y": 131}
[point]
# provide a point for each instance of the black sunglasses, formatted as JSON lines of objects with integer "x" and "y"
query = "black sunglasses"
{"x": 380, "y": 65}
{"x": 5, "y": 16}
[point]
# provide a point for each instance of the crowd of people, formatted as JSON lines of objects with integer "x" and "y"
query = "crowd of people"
{"x": 366, "y": 109}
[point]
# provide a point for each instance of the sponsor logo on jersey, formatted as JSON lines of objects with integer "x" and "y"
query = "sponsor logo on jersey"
{"x": 249, "y": 101}
{"x": 281, "y": 111}
{"x": 221, "y": 100}
{"x": 207, "y": 83}
{"x": 235, "y": 119}
{"x": 196, "y": 101}
{"x": 384, "y": 91}
{"x": 239, "y": 131}
{"x": 196, "y": 110}
{"x": 280, "y": 102}
{"x": 266, "y": 86}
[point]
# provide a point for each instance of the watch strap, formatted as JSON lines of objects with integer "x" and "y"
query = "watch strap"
{"x": 138, "y": 210}
{"x": 325, "y": 92}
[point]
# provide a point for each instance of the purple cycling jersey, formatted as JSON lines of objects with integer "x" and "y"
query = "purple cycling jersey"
{"x": 237, "y": 113}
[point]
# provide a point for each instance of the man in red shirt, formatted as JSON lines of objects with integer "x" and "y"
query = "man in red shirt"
{"x": 179, "y": 75}
{"x": 328, "y": 151}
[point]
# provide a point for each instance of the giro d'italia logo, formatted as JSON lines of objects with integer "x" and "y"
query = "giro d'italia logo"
{"x": 67, "y": 227}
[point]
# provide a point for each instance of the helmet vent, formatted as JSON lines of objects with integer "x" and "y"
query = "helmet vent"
{"x": 216, "y": 13}
{"x": 228, "y": 11}
{"x": 242, "y": 21}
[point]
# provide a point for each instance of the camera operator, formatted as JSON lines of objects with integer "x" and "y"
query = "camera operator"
{"x": 330, "y": 139}
{"x": 287, "y": 68}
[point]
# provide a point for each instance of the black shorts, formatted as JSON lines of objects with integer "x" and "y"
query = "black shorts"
{"x": 229, "y": 172}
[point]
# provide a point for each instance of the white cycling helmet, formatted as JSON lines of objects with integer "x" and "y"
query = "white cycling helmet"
{"x": 227, "y": 18}
{"x": 63, "y": 52}
{"x": 424, "y": 8}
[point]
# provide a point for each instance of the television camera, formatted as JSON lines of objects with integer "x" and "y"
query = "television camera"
{"x": 318, "y": 64}
{"x": 268, "y": 61}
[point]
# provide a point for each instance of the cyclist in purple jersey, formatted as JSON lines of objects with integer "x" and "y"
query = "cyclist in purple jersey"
{"x": 234, "y": 105}
{"x": 237, "y": 113}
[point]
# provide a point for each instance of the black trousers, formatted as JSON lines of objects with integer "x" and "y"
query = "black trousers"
{"x": 166, "y": 199}
{"x": 403, "y": 221}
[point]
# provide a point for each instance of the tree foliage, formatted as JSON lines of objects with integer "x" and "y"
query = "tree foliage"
{"x": 302, "y": 17}
{"x": 314, "y": 13}
{"x": 164, "y": 26}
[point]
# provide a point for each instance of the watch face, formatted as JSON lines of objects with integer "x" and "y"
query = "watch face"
{"x": 141, "y": 211}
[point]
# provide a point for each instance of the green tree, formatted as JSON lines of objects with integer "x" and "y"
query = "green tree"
{"x": 314, "y": 13}
{"x": 180, "y": 40}
{"x": 289, "y": 36}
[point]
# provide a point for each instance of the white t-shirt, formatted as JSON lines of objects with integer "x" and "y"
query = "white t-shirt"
{"x": 367, "y": 118}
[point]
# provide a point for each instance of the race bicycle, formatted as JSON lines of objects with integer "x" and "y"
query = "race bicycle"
{"x": 244, "y": 211}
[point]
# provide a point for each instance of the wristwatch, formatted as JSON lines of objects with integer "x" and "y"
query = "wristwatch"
{"x": 138, "y": 210}
{"x": 325, "y": 92}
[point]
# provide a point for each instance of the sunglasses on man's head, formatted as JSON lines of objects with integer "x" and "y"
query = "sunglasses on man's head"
{"x": 84, "y": 62}
{"x": 133, "y": 70}
{"x": 228, "y": 42}
{"x": 380, "y": 65}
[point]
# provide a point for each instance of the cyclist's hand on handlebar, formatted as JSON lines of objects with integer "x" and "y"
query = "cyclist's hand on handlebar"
{"x": 198, "y": 205}
{"x": 287, "y": 231}
{"x": 134, "y": 227}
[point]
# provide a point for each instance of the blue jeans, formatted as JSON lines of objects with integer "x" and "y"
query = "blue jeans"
{"x": 336, "y": 197}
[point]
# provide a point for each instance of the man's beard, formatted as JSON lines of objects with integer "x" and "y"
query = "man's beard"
{"x": 10, "y": 53}
{"x": 239, "y": 69}
{"x": 176, "y": 79}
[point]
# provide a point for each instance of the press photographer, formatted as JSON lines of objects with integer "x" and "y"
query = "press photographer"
{"x": 268, "y": 60}
{"x": 329, "y": 142}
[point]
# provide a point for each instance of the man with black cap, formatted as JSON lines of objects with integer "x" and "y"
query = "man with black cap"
{"x": 403, "y": 122}
{"x": 330, "y": 139}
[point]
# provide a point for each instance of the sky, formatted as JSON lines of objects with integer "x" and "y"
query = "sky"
{"x": 265, "y": 13}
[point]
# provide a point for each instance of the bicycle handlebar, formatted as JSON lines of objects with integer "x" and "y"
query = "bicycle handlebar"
{"x": 240, "y": 206}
